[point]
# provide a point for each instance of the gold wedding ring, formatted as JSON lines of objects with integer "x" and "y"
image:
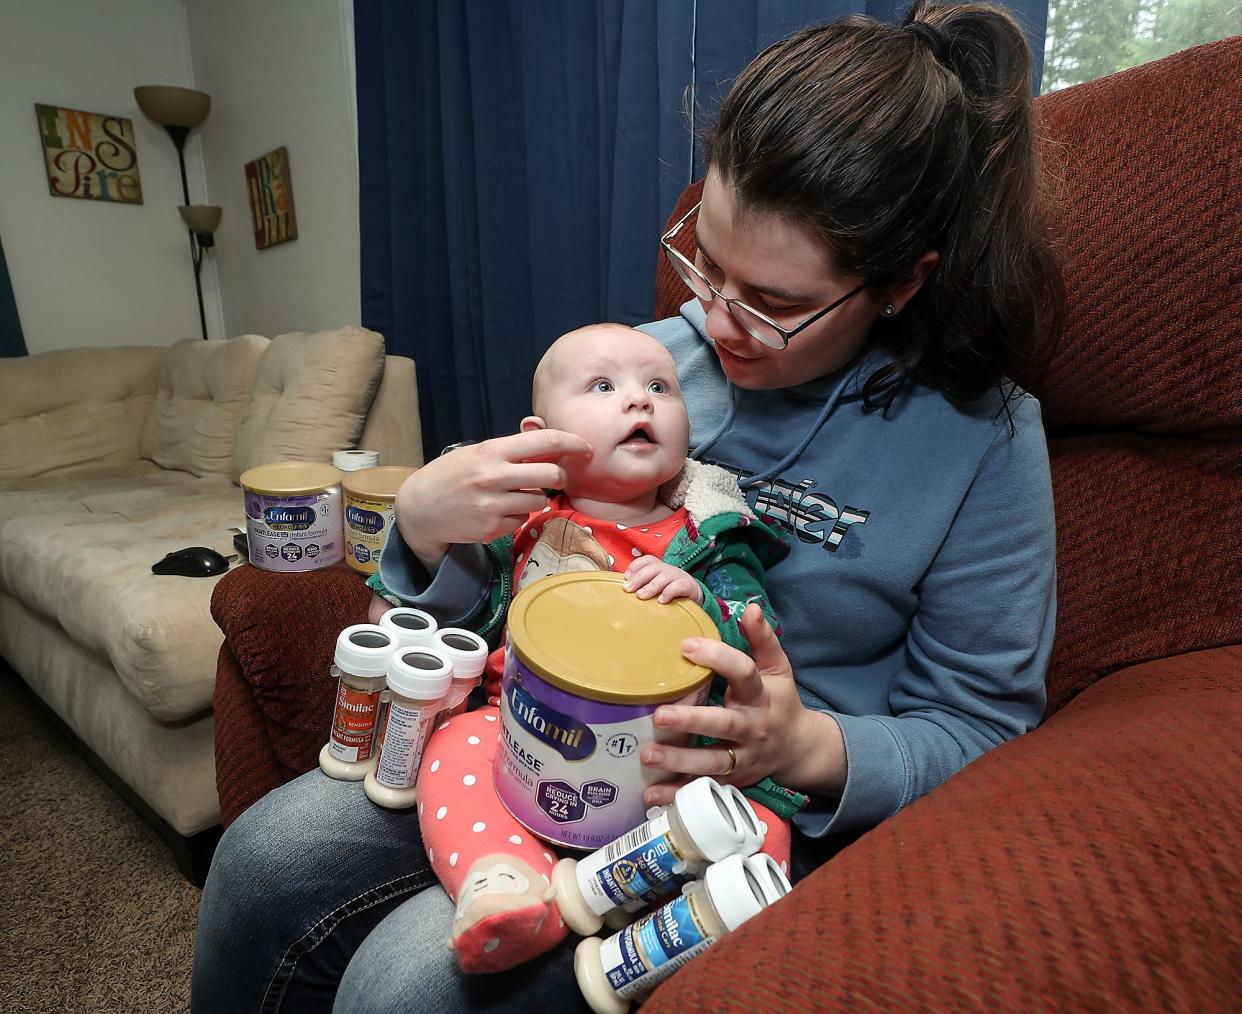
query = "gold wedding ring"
{"x": 732, "y": 762}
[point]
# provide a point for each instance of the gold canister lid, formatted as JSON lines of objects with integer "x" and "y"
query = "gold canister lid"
{"x": 380, "y": 481}
{"x": 584, "y": 633}
{"x": 286, "y": 478}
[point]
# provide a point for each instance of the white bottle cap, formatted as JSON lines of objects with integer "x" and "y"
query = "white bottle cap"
{"x": 772, "y": 880}
{"x": 706, "y": 810}
{"x": 420, "y": 672}
{"x": 409, "y": 625}
{"x": 753, "y": 829}
{"x": 353, "y": 461}
{"x": 466, "y": 648}
{"x": 364, "y": 649}
{"x": 735, "y": 891}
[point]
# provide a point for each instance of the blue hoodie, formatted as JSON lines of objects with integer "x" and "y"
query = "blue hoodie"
{"x": 918, "y": 602}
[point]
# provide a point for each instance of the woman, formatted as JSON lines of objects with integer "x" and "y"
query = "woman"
{"x": 870, "y": 258}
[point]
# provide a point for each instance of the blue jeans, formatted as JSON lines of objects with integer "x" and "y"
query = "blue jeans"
{"x": 319, "y": 900}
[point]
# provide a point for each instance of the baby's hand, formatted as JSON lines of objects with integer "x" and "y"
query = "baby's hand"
{"x": 378, "y": 607}
{"x": 648, "y": 577}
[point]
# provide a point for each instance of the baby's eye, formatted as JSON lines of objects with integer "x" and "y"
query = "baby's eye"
{"x": 602, "y": 386}
{"x": 658, "y": 387}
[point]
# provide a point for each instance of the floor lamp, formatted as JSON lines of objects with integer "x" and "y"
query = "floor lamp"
{"x": 178, "y": 111}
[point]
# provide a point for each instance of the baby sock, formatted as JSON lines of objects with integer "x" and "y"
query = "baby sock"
{"x": 777, "y": 838}
{"x": 505, "y": 915}
{"x": 491, "y": 866}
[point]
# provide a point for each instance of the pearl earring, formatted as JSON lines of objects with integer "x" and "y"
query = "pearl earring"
{"x": 889, "y": 310}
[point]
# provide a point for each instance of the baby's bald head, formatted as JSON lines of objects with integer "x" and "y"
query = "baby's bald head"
{"x": 585, "y": 341}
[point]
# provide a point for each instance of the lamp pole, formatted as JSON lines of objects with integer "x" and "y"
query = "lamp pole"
{"x": 178, "y": 135}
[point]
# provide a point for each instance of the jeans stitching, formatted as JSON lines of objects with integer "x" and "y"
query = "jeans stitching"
{"x": 311, "y": 939}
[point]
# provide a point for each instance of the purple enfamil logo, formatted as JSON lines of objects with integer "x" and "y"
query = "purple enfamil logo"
{"x": 289, "y": 517}
{"x": 566, "y": 735}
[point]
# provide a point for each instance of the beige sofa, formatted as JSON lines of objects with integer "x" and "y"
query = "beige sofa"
{"x": 111, "y": 458}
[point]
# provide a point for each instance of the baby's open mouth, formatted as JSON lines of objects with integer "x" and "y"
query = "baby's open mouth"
{"x": 639, "y": 434}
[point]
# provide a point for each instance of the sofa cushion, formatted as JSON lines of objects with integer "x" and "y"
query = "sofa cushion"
{"x": 90, "y": 572}
{"x": 73, "y": 492}
{"x": 310, "y": 397}
{"x": 74, "y": 409}
{"x": 204, "y": 390}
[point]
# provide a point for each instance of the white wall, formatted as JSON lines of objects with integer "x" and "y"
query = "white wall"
{"x": 281, "y": 73}
{"x": 96, "y": 272}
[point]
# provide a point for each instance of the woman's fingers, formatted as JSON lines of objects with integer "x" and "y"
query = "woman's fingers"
{"x": 738, "y": 669}
{"x": 547, "y": 446}
{"x": 719, "y": 723}
{"x": 694, "y": 761}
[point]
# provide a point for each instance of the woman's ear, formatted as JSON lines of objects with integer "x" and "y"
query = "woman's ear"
{"x": 909, "y": 282}
{"x": 532, "y": 423}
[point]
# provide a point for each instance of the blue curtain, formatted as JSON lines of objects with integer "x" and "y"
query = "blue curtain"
{"x": 517, "y": 161}
{"x": 11, "y": 341}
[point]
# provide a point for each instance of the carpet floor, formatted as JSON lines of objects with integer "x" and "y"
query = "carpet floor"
{"x": 93, "y": 913}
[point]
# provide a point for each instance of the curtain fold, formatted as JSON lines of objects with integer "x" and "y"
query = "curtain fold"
{"x": 517, "y": 162}
{"x": 12, "y": 342}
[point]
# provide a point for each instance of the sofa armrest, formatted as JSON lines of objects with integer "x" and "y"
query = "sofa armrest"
{"x": 393, "y": 427}
{"x": 274, "y": 692}
{"x": 1090, "y": 864}
{"x": 75, "y": 408}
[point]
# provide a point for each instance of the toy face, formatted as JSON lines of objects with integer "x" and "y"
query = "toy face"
{"x": 561, "y": 547}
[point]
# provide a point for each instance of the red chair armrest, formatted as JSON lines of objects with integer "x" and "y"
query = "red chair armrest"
{"x": 1090, "y": 864}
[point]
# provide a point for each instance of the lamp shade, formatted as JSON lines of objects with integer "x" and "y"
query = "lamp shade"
{"x": 170, "y": 106}
{"x": 202, "y": 219}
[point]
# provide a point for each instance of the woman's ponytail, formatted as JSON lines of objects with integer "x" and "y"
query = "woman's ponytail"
{"x": 997, "y": 273}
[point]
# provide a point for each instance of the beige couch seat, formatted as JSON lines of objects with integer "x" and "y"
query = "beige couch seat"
{"x": 112, "y": 458}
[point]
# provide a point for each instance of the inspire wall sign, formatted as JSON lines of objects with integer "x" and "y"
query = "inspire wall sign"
{"x": 89, "y": 155}
{"x": 271, "y": 199}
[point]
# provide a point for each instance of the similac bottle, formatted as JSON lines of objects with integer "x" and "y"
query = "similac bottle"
{"x": 772, "y": 880}
{"x": 631, "y": 963}
{"x": 468, "y": 652}
{"x": 418, "y": 679}
{"x": 753, "y": 829}
{"x": 410, "y": 626}
{"x": 362, "y": 653}
{"x": 700, "y": 826}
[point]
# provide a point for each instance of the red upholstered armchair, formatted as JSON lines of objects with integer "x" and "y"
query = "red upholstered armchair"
{"x": 1094, "y": 862}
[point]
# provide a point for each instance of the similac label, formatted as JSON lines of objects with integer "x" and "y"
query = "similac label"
{"x": 401, "y": 745}
{"x": 641, "y": 865}
{"x": 353, "y": 723}
{"x": 649, "y": 951}
{"x": 295, "y": 533}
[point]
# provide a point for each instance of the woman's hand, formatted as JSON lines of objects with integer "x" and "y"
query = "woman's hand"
{"x": 479, "y": 492}
{"x": 763, "y": 721}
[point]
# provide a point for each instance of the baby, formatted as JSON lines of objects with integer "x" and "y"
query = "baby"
{"x": 637, "y": 506}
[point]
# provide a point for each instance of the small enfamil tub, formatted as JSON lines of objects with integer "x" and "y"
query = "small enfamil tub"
{"x": 586, "y": 665}
{"x": 293, "y": 515}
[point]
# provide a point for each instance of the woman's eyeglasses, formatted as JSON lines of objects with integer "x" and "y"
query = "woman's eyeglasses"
{"x": 758, "y": 325}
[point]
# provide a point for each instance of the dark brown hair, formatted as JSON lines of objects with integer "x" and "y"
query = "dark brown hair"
{"x": 890, "y": 141}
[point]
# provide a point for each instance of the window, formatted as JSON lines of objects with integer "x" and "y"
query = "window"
{"x": 1090, "y": 38}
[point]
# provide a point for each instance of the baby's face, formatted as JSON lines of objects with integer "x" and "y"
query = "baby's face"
{"x": 617, "y": 388}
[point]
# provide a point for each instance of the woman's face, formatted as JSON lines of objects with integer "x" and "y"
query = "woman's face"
{"x": 782, "y": 270}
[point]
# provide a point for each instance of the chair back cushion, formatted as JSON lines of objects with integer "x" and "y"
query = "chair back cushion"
{"x": 1145, "y": 168}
